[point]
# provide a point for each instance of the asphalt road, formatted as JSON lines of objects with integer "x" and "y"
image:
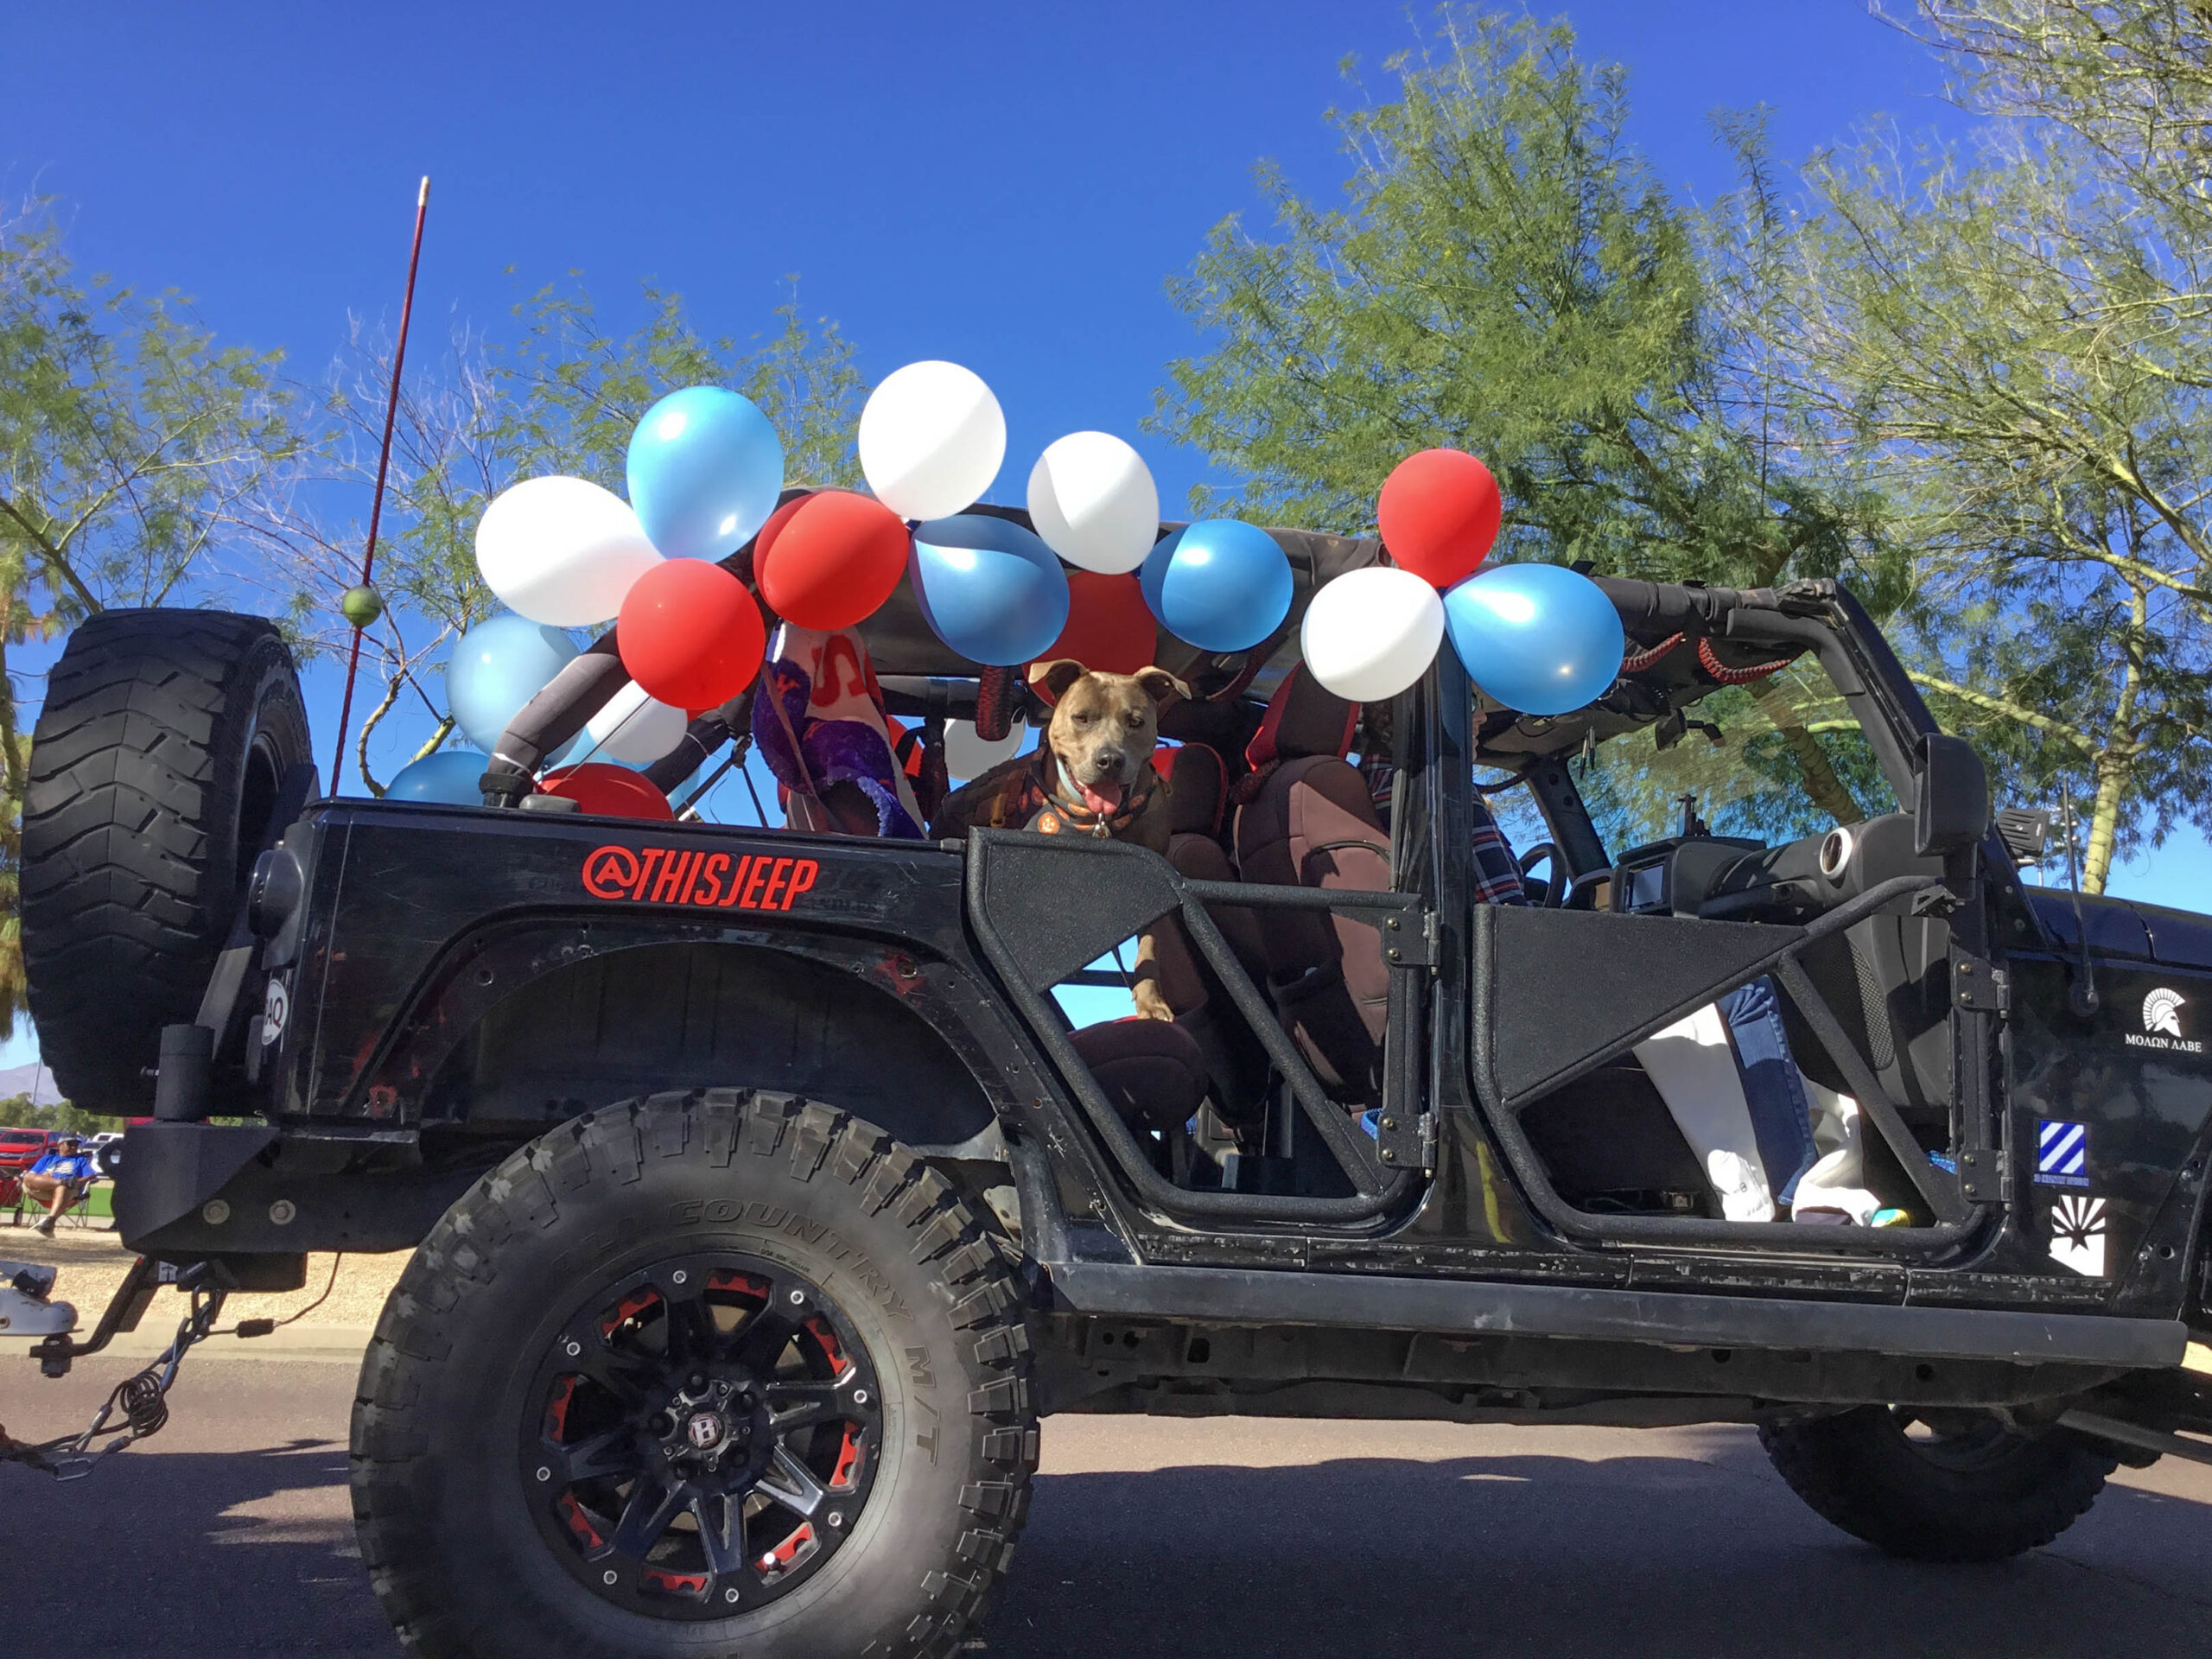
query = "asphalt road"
{"x": 230, "y": 1535}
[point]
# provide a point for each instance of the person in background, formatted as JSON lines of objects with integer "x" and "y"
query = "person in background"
{"x": 60, "y": 1179}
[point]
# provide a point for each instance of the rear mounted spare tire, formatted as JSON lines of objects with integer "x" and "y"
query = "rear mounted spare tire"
{"x": 155, "y": 772}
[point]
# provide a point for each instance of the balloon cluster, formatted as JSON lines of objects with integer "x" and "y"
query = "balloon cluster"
{"x": 1535, "y": 638}
{"x": 1093, "y": 579}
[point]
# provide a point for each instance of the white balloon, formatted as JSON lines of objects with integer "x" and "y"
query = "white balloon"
{"x": 1371, "y": 633}
{"x": 633, "y": 727}
{"x": 1092, "y": 498}
{"x": 967, "y": 755}
{"x": 931, "y": 438}
{"x": 561, "y": 551}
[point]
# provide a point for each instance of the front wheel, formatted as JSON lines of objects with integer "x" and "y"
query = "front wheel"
{"x": 710, "y": 1374}
{"x": 1961, "y": 1488}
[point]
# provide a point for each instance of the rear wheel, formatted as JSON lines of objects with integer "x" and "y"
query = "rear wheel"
{"x": 717, "y": 1374}
{"x": 156, "y": 770}
{"x": 1962, "y": 1487}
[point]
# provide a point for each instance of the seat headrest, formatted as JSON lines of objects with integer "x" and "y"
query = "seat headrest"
{"x": 1198, "y": 789}
{"x": 1304, "y": 718}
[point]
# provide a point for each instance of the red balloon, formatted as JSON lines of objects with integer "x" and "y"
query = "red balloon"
{"x": 1439, "y": 514}
{"x": 1110, "y": 628}
{"x": 610, "y": 791}
{"x": 690, "y": 634}
{"x": 828, "y": 561}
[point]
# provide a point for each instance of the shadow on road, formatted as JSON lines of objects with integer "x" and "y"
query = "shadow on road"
{"x": 1558, "y": 1557}
{"x": 186, "y": 1554}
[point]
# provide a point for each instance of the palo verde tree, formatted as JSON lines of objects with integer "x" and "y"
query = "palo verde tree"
{"x": 128, "y": 440}
{"x": 1506, "y": 276}
{"x": 2017, "y": 342}
{"x": 561, "y": 395}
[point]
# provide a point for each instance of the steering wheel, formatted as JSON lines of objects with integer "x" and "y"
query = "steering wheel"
{"x": 1555, "y": 884}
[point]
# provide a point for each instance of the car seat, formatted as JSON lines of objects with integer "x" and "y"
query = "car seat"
{"x": 1306, "y": 819}
{"x": 1154, "y": 1074}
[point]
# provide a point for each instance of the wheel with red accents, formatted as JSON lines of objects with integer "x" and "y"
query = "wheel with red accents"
{"x": 715, "y": 1373}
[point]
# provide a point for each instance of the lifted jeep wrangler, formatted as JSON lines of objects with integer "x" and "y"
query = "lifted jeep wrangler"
{"x": 764, "y": 1197}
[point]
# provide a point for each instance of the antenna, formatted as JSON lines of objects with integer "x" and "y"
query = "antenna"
{"x": 383, "y": 465}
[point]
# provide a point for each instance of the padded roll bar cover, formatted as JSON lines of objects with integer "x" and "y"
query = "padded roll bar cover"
{"x": 581, "y": 689}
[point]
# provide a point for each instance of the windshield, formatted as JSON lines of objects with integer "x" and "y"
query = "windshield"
{"x": 1773, "y": 759}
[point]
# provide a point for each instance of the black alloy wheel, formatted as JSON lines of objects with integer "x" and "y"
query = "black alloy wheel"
{"x": 703, "y": 1435}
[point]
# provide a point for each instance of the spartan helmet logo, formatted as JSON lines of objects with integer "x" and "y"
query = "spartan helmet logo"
{"x": 2162, "y": 1012}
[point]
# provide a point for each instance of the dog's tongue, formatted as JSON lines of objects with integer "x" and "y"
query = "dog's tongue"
{"x": 1101, "y": 797}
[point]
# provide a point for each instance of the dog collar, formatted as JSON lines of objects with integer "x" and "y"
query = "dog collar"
{"x": 1063, "y": 809}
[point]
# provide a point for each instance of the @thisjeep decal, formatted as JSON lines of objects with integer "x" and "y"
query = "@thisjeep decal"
{"x": 691, "y": 875}
{"x": 2162, "y": 1024}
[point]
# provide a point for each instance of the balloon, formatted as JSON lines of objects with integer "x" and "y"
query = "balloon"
{"x": 1095, "y": 504}
{"x": 967, "y": 755}
{"x": 690, "y": 634}
{"x": 449, "y": 777}
{"x": 1439, "y": 514}
{"x": 1369, "y": 634}
{"x": 611, "y": 792}
{"x": 1110, "y": 627}
{"x": 561, "y": 551}
{"x": 633, "y": 728}
{"x": 828, "y": 561}
{"x": 1537, "y": 638}
{"x": 705, "y": 468}
{"x": 931, "y": 438}
{"x": 989, "y": 588}
{"x": 497, "y": 667}
{"x": 1219, "y": 584}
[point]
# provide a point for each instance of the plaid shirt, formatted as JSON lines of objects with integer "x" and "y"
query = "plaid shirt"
{"x": 1497, "y": 874}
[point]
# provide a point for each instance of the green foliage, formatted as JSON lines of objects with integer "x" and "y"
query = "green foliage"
{"x": 1508, "y": 278}
{"x": 562, "y": 396}
{"x": 16, "y": 1112}
{"x": 572, "y": 393}
{"x": 128, "y": 442}
{"x": 2016, "y": 343}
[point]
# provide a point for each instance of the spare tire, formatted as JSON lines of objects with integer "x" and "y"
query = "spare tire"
{"x": 155, "y": 772}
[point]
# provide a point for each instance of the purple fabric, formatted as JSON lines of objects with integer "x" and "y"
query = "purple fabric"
{"x": 829, "y": 752}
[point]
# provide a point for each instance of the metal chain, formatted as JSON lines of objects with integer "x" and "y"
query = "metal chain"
{"x": 142, "y": 1398}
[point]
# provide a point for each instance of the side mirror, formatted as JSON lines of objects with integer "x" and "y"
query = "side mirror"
{"x": 1951, "y": 810}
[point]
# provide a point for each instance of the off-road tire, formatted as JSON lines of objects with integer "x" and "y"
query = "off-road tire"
{"x": 440, "y": 1503}
{"x": 154, "y": 768}
{"x": 1861, "y": 1471}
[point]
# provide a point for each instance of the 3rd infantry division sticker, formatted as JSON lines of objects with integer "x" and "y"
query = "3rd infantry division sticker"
{"x": 2077, "y": 1235}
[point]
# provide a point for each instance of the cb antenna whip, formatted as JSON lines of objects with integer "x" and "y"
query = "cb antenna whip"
{"x": 371, "y": 610}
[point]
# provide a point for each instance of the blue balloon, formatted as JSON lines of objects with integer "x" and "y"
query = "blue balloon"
{"x": 1219, "y": 584}
{"x": 705, "y": 468}
{"x": 1537, "y": 638}
{"x": 450, "y": 775}
{"x": 991, "y": 589}
{"x": 497, "y": 666}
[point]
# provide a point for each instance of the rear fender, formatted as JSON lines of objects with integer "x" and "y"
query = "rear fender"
{"x": 525, "y": 1025}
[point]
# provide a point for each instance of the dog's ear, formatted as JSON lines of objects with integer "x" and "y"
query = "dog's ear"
{"x": 1160, "y": 685}
{"x": 1052, "y": 679}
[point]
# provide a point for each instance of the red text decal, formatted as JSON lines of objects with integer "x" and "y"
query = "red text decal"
{"x": 691, "y": 875}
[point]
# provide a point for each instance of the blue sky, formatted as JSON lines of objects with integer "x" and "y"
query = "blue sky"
{"x": 1005, "y": 185}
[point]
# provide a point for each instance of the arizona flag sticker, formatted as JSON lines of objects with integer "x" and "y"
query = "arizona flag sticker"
{"x": 2077, "y": 1235}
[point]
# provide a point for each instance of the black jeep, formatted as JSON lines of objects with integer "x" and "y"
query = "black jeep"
{"x": 764, "y": 1196}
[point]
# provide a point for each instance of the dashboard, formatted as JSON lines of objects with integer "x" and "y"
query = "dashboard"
{"x": 1722, "y": 878}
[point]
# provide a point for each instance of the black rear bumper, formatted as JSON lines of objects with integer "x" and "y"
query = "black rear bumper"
{"x": 186, "y": 1191}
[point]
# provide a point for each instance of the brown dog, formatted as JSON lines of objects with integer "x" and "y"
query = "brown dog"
{"x": 1091, "y": 776}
